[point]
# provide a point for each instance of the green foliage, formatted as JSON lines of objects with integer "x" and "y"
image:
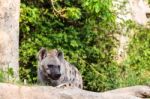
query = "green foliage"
{"x": 2, "y": 78}
{"x": 5, "y": 75}
{"x": 148, "y": 1}
{"x": 83, "y": 30}
{"x": 135, "y": 69}
{"x": 73, "y": 13}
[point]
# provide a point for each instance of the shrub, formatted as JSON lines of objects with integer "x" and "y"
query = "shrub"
{"x": 83, "y": 30}
{"x": 136, "y": 68}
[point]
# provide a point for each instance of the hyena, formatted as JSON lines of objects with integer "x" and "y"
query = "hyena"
{"x": 54, "y": 70}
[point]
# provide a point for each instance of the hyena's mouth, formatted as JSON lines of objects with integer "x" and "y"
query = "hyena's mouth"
{"x": 55, "y": 77}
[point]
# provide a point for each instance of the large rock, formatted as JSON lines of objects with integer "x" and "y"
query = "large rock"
{"x": 137, "y": 10}
{"x": 9, "y": 36}
{"x": 10, "y": 91}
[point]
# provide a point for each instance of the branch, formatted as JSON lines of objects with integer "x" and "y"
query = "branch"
{"x": 57, "y": 11}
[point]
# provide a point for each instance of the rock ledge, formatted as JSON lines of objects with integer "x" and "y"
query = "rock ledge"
{"x": 10, "y": 91}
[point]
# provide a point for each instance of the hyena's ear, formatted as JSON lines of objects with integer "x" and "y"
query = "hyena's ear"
{"x": 60, "y": 55}
{"x": 42, "y": 54}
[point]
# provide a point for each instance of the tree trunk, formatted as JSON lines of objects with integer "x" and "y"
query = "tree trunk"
{"x": 9, "y": 35}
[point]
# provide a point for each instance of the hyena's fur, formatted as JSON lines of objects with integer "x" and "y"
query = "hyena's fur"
{"x": 54, "y": 70}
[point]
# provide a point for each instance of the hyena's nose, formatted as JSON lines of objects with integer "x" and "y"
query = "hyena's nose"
{"x": 49, "y": 75}
{"x": 57, "y": 75}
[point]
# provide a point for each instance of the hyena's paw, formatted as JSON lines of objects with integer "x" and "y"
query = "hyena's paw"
{"x": 65, "y": 85}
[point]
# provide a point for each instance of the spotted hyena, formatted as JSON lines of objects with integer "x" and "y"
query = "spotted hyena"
{"x": 54, "y": 70}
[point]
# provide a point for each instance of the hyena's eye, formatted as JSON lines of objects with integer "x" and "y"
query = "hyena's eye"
{"x": 58, "y": 66}
{"x": 50, "y": 66}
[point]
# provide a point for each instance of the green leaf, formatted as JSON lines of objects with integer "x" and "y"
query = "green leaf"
{"x": 74, "y": 43}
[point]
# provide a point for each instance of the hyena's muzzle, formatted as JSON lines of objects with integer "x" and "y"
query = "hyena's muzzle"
{"x": 53, "y": 72}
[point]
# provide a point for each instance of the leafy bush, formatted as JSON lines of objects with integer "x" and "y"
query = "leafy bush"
{"x": 7, "y": 75}
{"x": 83, "y": 30}
{"x": 136, "y": 67}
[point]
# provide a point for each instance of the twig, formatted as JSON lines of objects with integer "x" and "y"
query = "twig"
{"x": 57, "y": 11}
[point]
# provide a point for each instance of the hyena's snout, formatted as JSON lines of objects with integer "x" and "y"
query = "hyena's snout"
{"x": 55, "y": 74}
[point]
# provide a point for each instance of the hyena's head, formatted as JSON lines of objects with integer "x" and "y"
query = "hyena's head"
{"x": 51, "y": 63}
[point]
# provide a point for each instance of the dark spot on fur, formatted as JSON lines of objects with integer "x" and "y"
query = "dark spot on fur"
{"x": 79, "y": 85}
{"x": 73, "y": 79}
{"x": 69, "y": 84}
{"x": 70, "y": 79}
{"x": 75, "y": 73}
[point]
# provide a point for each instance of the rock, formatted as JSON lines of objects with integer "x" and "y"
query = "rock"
{"x": 10, "y": 91}
{"x": 137, "y": 10}
{"x": 9, "y": 36}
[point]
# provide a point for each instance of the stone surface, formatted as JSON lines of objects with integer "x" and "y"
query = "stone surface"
{"x": 136, "y": 10}
{"x": 10, "y": 91}
{"x": 9, "y": 34}
{"x": 139, "y": 9}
